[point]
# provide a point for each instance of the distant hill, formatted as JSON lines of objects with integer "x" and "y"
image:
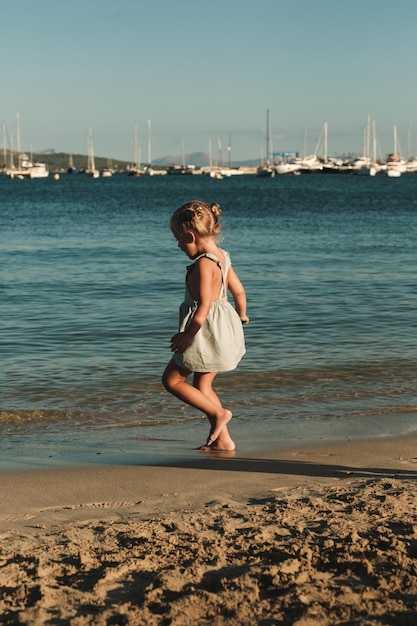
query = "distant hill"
{"x": 200, "y": 159}
{"x": 59, "y": 161}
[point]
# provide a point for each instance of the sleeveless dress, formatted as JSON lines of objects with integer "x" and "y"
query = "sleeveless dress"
{"x": 219, "y": 345}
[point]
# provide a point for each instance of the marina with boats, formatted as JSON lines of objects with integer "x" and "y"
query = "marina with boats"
{"x": 18, "y": 164}
{"x": 393, "y": 167}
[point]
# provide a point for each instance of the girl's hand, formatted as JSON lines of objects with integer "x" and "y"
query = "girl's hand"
{"x": 180, "y": 342}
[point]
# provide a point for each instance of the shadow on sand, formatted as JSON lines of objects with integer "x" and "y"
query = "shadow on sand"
{"x": 220, "y": 461}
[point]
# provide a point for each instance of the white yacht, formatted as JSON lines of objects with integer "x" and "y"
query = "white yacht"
{"x": 395, "y": 166}
{"x": 38, "y": 170}
{"x": 27, "y": 169}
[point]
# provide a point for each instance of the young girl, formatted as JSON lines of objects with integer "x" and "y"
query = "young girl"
{"x": 211, "y": 338}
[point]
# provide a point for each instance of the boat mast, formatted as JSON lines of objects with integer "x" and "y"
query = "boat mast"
{"x": 268, "y": 133}
{"x": 4, "y": 143}
{"x": 305, "y": 140}
{"x": 136, "y": 148}
{"x": 183, "y": 153}
{"x": 373, "y": 141}
{"x": 19, "y": 158}
{"x": 91, "y": 161}
{"x": 149, "y": 143}
{"x": 368, "y": 139}
{"x": 219, "y": 147}
{"x": 11, "y": 154}
{"x": 409, "y": 139}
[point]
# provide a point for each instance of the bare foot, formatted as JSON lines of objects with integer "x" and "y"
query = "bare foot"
{"x": 220, "y": 454}
{"x": 223, "y": 442}
{"x": 220, "y": 445}
{"x": 221, "y": 420}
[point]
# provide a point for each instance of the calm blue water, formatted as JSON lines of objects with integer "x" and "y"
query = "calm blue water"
{"x": 91, "y": 281}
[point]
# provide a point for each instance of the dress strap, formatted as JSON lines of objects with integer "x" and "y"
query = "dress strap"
{"x": 212, "y": 257}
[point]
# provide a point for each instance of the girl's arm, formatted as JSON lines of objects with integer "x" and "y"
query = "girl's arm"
{"x": 239, "y": 295}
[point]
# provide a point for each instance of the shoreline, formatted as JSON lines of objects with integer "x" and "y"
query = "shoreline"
{"x": 130, "y": 445}
{"x": 308, "y": 536}
{"x": 33, "y": 492}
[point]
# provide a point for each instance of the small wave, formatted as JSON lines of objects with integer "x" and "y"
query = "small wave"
{"x": 36, "y": 416}
{"x": 86, "y": 421}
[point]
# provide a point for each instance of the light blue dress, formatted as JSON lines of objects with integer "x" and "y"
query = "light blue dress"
{"x": 219, "y": 345}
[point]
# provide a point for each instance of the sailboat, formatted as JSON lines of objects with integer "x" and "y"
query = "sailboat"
{"x": 91, "y": 170}
{"x": 213, "y": 171}
{"x": 134, "y": 170}
{"x": 107, "y": 171}
{"x": 71, "y": 169}
{"x": 266, "y": 170}
{"x": 25, "y": 167}
{"x": 368, "y": 165}
{"x": 395, "y": 164}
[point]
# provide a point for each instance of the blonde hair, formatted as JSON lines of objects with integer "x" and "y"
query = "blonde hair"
{"x": 198, "y": 216}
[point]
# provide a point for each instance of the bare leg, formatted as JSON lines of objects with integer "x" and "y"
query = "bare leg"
{"x": 173, "y": 380}
{"x": 204, "y": 383}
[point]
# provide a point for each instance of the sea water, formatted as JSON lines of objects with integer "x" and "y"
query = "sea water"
{"x": 91, "y": 282}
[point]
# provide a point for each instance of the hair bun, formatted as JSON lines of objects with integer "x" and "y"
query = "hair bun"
{"x": 215, "y": 208}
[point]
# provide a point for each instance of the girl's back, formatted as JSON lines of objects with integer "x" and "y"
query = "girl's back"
{"x": 207, "y": 268}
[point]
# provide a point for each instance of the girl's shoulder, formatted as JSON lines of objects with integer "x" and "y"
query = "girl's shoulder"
{"x": 223, "y": 258}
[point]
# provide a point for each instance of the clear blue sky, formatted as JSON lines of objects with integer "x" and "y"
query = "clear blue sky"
{"x": 205, "y": 70}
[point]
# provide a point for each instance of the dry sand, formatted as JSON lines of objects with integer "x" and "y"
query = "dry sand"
{"x": 314, "y": 536}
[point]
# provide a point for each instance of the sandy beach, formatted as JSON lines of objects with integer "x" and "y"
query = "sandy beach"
{"x": 310, "y": 536}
